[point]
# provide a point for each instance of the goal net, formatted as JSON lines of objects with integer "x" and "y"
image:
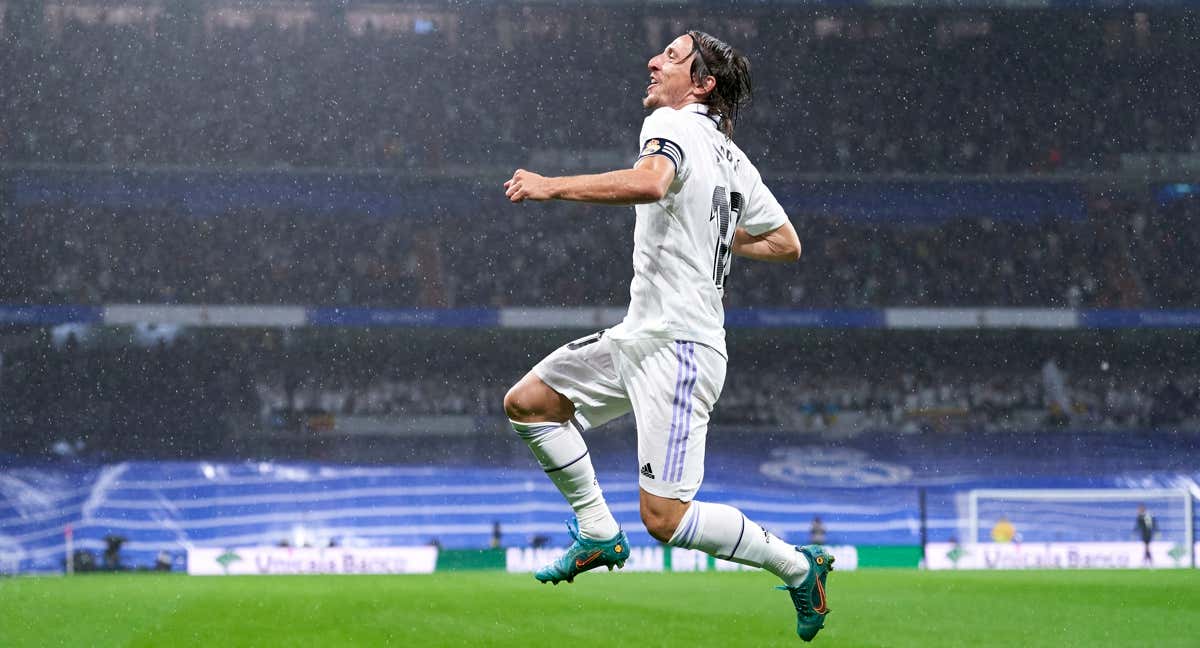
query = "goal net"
{"x": 1050, "y": 516}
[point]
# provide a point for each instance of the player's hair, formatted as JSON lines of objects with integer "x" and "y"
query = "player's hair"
{"x": 713, "y": 57}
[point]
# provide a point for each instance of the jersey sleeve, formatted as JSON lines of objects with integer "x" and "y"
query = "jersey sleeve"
{"x": 662, "y": 134}
{"x": 762, "y": 212}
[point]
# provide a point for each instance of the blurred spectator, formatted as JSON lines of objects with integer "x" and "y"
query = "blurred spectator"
{"x": 1054, "y": 386}
{"x": 1003, "y": 531}
{"x": 112, "y": 552}
{"x": 816, "y": 532}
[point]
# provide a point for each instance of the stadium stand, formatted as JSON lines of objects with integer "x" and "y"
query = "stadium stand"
{"x": 1124, "y": 254}
{"x": 208, "y": 394}
{"x": 1070, "y": 93}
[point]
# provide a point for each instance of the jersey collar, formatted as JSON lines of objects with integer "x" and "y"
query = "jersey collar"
{"x": 701, "y": 109}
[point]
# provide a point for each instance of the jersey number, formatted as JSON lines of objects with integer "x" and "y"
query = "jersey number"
{"x": 727, "y": 211}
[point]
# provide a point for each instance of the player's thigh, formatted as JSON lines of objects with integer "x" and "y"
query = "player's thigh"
{"x": 584, "y": 372}
{"x": 673, "y": 386}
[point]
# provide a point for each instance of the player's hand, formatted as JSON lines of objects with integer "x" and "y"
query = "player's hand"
{"x": 527, "y": 185}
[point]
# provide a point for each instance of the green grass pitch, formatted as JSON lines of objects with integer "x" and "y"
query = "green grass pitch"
{"x": 870, "y": 608}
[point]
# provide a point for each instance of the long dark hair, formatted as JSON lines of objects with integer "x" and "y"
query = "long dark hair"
{"x": 713, "y": 57}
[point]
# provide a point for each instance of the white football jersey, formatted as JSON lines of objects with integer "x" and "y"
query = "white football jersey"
{"x": 681, "y": 244}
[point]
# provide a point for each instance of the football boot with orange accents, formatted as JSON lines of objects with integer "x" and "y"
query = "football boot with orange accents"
{"x": 809, "y": 595}
{"x": 585, "y": 554}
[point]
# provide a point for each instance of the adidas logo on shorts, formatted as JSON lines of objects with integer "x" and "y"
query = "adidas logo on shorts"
{"x": 647, "y": 472}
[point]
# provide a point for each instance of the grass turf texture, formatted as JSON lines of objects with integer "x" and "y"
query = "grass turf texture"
{"x": 870, "y": 608}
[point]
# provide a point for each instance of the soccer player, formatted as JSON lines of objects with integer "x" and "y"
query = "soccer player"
{"x": 1145, "y": 526}
{"x": 698, "y": 200}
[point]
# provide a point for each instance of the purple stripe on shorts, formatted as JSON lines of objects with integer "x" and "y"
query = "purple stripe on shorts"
{"x": 685, "y": 427}
{"x": 687, "y": 419}
{"x": 678, "y": 407}
{"x": 676, "y": 410}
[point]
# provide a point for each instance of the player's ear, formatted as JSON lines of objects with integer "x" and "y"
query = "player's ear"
{"x": 707, "y": 85}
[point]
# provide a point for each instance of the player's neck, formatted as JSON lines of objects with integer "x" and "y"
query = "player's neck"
{"x": 693, "y": 104}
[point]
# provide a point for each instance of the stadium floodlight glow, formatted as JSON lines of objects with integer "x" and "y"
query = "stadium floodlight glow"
{"x": 1087, "y": 514}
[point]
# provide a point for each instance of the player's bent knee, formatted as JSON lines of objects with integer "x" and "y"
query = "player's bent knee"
{"x": 659, "y": 523}
{"x": 533, "y": 400}
{"x": 657, "y": 527}
{"x": 515, "y": 406}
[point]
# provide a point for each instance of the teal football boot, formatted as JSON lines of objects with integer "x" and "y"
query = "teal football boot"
{"x": 809, "y": 595}
{"x": 585, "y": 554}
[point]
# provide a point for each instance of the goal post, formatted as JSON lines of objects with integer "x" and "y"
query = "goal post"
{"x": 1052, "y": 515}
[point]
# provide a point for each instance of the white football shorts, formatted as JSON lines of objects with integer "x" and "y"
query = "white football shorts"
{"x": 669, "y": 385}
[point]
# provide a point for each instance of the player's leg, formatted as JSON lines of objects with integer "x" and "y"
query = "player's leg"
{"x": 542, "y": 417}
{"x": 672, "y": 430}
{"x": 673, "y": 386}
{"x": 568, "y": 392}
{"x": 533, "y": 401}
{"x": 726, "y": 533}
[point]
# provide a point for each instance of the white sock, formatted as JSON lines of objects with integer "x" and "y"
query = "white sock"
{"x": 560, "y": 450}
{"x": 726, "y": 533}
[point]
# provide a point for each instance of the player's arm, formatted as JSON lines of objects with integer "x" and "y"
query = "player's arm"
{"x": 780, "y": 244}
{"x": 647, "y": 182}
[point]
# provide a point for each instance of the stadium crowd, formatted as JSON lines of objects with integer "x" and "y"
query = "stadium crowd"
{"x": 187, "y": 395}
{"x": 945, "y": 400}
{"x": 431, "y": 89}
{"x": 1124, "y": 255}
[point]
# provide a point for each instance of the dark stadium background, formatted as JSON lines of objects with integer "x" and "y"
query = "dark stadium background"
{"x": 256, "y": 256}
